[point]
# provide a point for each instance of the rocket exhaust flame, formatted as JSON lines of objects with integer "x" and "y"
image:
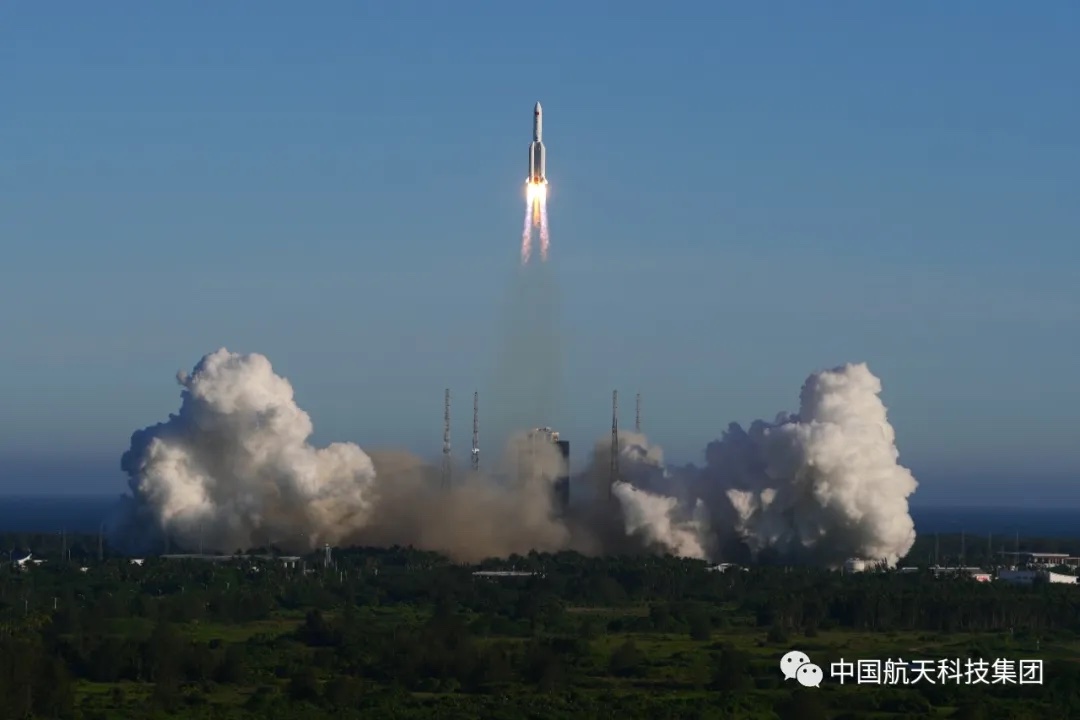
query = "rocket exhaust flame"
{"x": 535, "y": 217}
{"x": 545, "y": 239}
{"x": 526, "y": 236}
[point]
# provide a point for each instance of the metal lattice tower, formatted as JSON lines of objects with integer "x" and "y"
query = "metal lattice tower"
{"x": 476, "y": 432}
{"x": 637, "y": 414}
{"x": 614, "y": 440}
{"x": 446, "y": 441}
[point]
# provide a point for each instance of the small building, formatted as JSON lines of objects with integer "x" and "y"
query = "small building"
{"x": 854, "y": 565}
{"x": 1027, "y": 577}
{"x": 286, "y": 560}
{"x": 724, "y": 567}
{"x": 1043, "y": 559}
{"x": 974, "y": 572}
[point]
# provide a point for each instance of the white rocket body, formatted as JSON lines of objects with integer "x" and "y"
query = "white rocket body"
{"x": 537, "y": 155}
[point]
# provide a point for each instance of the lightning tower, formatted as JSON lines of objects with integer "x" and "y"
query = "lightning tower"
{"x": 476, "y": 432}
{"x": 446, "y": 441}
{"x": 637, "y": 414}
{"x": 614, "y": 440}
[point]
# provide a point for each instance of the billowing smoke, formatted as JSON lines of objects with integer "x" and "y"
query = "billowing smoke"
{"x": 820, "y": 486}
{"x": 475, "y": 516}
{"x": 234, "y": 469}
{"x": 824, "y": 484}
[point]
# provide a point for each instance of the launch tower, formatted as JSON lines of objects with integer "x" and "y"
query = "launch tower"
{"x": 530, "y": 463}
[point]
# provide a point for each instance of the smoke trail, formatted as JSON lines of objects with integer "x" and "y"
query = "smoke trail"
{"x": 528, "y": 373}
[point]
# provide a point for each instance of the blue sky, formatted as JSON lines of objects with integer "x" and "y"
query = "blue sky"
{"x": 741, "y": 194}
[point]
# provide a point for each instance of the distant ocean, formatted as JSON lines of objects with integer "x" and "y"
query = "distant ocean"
{"x": 85, "y": 514}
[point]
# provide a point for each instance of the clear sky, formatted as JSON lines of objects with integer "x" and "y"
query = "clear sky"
{"x": 741, "y": 194}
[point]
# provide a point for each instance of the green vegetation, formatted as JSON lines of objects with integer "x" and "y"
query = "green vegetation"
{"x": 398, "y": 633}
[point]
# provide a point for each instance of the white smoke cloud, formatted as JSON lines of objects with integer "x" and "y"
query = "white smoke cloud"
{"x": 824, "y": 483}
{"x": 234, "y": 469}
{"x": 656, "y": 519}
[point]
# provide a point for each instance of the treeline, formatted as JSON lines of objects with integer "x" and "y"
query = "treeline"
{"x": 929, "y": 548}
{"x": 801, "y": 599}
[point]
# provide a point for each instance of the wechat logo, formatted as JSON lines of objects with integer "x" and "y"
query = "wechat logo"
{"x": 797, "y": 665}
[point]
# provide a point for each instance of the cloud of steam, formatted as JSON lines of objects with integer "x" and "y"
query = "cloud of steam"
{"x": 654, "y": 518}
{"x": 824, "y": 484}
{"x": 234, "y": 469}
{"x": 821, "y": 486}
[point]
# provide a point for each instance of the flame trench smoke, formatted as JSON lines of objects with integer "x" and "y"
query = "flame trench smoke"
{"x": 823, "y": 485}
{"x": 234, "y": 469}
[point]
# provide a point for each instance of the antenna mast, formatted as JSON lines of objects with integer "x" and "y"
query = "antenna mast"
{"x": 446, "y": 441}
{"x": 637, "y": 414}
{"x": 614, "y": 440}
{"x": 476, "y": 432}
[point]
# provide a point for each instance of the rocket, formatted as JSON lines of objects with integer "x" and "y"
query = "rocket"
{"x": 537, "y": 155}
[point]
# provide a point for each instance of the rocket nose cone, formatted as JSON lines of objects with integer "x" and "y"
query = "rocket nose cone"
{"x": 537, "y": 108}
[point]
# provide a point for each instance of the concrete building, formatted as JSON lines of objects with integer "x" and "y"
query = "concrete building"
{"x": 1035, "y": 559}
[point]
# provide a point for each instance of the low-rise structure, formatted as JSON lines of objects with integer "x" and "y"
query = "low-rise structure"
{"x": 977, "y": 573}
{"x": 1027, "y": 577}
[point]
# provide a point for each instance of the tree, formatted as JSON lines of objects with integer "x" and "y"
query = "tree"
{"x": 626, "y": 660}
{"x": 802, "y": 705}
{"x": 304, "y": 686}
{"x": 700, "y": 626}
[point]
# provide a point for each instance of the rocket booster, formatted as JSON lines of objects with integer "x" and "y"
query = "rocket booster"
{"x": 537, "y": 154}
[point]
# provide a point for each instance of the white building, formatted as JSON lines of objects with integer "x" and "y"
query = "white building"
{"x": 724, "y": 567}
{"x": 1027, "y": 577}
